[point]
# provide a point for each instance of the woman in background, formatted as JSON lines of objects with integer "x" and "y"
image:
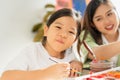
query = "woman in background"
{"x": 102, "y": 32}
{"x": 53, "y": 58}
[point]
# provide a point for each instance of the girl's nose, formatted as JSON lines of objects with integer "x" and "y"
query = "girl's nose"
{"x": 63, "y": 34}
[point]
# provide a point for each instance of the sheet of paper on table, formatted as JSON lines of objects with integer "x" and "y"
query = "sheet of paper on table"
{"x": 99, "y": 75}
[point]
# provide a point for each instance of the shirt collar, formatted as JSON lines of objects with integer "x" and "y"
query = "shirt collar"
{"x": 105, "y": 41}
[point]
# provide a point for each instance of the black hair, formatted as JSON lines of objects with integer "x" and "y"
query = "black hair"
{"x": 61, "y": 13}
{"x": 88, "y": 24}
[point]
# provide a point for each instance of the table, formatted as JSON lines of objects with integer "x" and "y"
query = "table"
{"x": 85, "y": 72}
{"x": 97, "y": 73}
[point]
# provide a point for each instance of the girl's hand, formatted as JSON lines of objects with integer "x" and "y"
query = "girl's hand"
{"x": 76, "y": 66}
{"x": 58, "y": 71}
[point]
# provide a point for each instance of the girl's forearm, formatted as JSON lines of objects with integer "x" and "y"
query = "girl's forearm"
{"x": 23, "y": 75}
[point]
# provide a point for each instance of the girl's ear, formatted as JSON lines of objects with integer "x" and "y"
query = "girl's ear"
{"x": 45, "y": 30}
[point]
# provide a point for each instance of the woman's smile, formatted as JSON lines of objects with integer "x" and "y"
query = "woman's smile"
{"x": 109, "y": 27}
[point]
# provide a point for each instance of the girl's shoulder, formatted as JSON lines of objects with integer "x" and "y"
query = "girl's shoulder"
{"x": 31, "y": 47}
{"x": 33, "y": 44}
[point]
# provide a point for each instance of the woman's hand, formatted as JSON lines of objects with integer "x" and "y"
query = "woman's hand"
{"x": 76, "y": 68}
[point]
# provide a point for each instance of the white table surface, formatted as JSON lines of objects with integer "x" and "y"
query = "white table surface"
{"x": 94, "y": 74}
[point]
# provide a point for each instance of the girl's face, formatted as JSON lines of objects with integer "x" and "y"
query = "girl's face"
{"x": 106, "y": 20}
{"x": 61, "y": 34}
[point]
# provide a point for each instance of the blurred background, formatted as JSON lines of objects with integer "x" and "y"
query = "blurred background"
{"x": 17, "y": 19}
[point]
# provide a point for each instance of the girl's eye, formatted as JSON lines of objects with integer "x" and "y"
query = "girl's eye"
{"x": 58, "y": 27}
{"x": 71, "y": 32}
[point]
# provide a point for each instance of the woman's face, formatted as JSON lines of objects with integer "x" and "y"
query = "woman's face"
{"x": 61, "y": 34}
{"x": 106, "y": 20}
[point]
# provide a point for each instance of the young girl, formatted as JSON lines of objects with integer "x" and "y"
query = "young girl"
{"x": 49, "y": 59}
{"x": 102, "y": 32}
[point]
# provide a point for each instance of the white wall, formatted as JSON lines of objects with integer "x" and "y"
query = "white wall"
{"x": 17, "y": 18}
{"x": 117, "y": 5}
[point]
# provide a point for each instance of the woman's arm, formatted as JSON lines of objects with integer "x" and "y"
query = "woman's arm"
{"x": 107, "y": 51}
{"x": 101, "y": 52}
